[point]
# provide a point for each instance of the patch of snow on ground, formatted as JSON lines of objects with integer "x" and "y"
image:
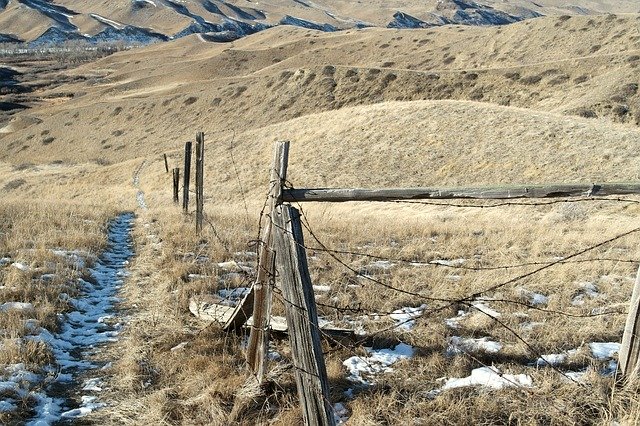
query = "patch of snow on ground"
{"x": 454, "y": 322}
{"x": 405, "y": 316}
{"x": 179, "y": 346}
{"x": 451, "y": 263}
{"x": 21, "y": 266}
{"x": 587, "y": 290}
{"x": 577, "y": 376}
{"x": 485, "y": 309}
{"x": 340, "y": 413}
{"x": 534, "y": 298}
{"x": 16, "y": 306}
{"x": 381, "y": 264}
{"x": 109, "y": 22}
{"x": 231, "y": 297}
{"x": 232, "y": 265}
{"x": 604, "y": 350}
{"x": 489, "y": 377}
{"x": 551, "y": 359}
{"x": 76, "y": 257}
{"x": 458, "y": 345}
{"x": 323, "y": 288}
{"x": 379, "y": 361}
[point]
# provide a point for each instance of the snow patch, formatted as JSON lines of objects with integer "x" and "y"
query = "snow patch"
{"x": 379, "y": 361}
{"x": 231, "y": 297}
{"x": 454, "y": 322}
{"x": 604, "y": 350}
{"x": 490, "y": 377}
{"x": 405, "y": 316}
{"x": 551, "y": 359}
{"x": 587, "y": 290}
{"x": 533, "y": 297}
{"x": 322, "y": 288}
{"x": 16, "y": 306}
{"x": 458, "y": 345}
{"x": 21, "y": 266}
{"x": 485, "y": 309}
{"x": 340, "y": 413}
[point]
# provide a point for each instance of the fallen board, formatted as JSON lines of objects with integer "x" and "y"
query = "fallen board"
{"x": 205, "y": 308}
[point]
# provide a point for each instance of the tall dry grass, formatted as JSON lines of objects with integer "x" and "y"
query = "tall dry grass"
{"x": 32, "y": 272}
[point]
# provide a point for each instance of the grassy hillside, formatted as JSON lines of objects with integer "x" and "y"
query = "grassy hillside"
{"x": 547, "y": 100}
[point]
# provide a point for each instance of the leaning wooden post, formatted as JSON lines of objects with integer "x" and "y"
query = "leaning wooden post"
{"x": 630, "y": 348}
{"x": 166, "y": 163}
{"x": 302, "y": 318}
{"x": 176, "y": 185}
{"x": 260, "y": 296}
{"x": 187, "y": 177}
{"x": 199, "y": 181}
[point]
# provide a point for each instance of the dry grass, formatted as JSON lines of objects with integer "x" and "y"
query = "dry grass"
{"x": 509, "y": 107}
{"x": 34, "y": 273}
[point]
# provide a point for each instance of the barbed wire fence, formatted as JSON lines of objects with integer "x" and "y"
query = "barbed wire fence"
{"x": 303, "y": 314}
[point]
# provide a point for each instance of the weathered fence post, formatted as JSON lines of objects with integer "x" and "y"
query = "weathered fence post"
{"x": 630, "y": 348}
{"x": 166, "y": 163}
{"x": 176, "y": 185}
{"x": 302, "y": 318}
{"x": 187, "y": 176}
{"x": 199, "y": 181}
{"x": 258, "y": 346}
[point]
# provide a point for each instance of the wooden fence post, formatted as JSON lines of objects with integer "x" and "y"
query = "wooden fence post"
{"x": 199, "y": 181}
{"x": 258, "y": 346}
{"x": 166, "y": 163}
{"x": 187, "y": 176}
{"x": 302, "y": 318}
{"x": 630, "y": 348}
{"x": 176, "y": 185}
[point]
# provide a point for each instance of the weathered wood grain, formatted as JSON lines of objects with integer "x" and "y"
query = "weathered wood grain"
{"x": 302, "y": 319}
{"x": 479, "y": 193}
{"x": 199, "y": 181}
{"x": 176, "y": 185}
{"x": 187, "y": 176}
{"x": 630, "y": 348}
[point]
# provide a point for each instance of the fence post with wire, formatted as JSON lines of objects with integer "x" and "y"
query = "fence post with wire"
{"x": 262, "y": 295}
{"x": 282, "y": 245}
{"x": 176, "y": 185}
{"x": 302, "y": 318}
{"x": 187, "y": 176}
{"x": 199, "y": 181}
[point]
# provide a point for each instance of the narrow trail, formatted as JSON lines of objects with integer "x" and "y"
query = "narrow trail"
{"x": 84, "y": 331}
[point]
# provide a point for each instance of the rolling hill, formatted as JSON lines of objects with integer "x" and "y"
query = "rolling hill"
{"x": 42, "y": 22}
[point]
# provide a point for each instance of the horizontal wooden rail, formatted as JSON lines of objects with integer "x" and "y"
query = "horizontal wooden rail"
{"x": 479, "y": 193}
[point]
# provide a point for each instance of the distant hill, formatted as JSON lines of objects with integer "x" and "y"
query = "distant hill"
{"x": 42, "y": 22}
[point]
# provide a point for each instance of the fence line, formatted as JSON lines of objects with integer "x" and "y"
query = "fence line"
{"x": 259, "y": 299}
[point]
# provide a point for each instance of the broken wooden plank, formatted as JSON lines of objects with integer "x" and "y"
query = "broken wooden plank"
{"x": 205, "y": 308}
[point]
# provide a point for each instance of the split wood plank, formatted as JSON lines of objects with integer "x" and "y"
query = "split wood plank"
{"x": 302, "y": 318}
{"x": 206, "y": 309}
{"x": 630, "y": 348}
{"x": 480, "y": 193}
{"x": 258, "y": 345}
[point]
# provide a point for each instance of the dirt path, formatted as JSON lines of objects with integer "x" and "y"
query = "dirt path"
{"x": 84, "y": 332}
